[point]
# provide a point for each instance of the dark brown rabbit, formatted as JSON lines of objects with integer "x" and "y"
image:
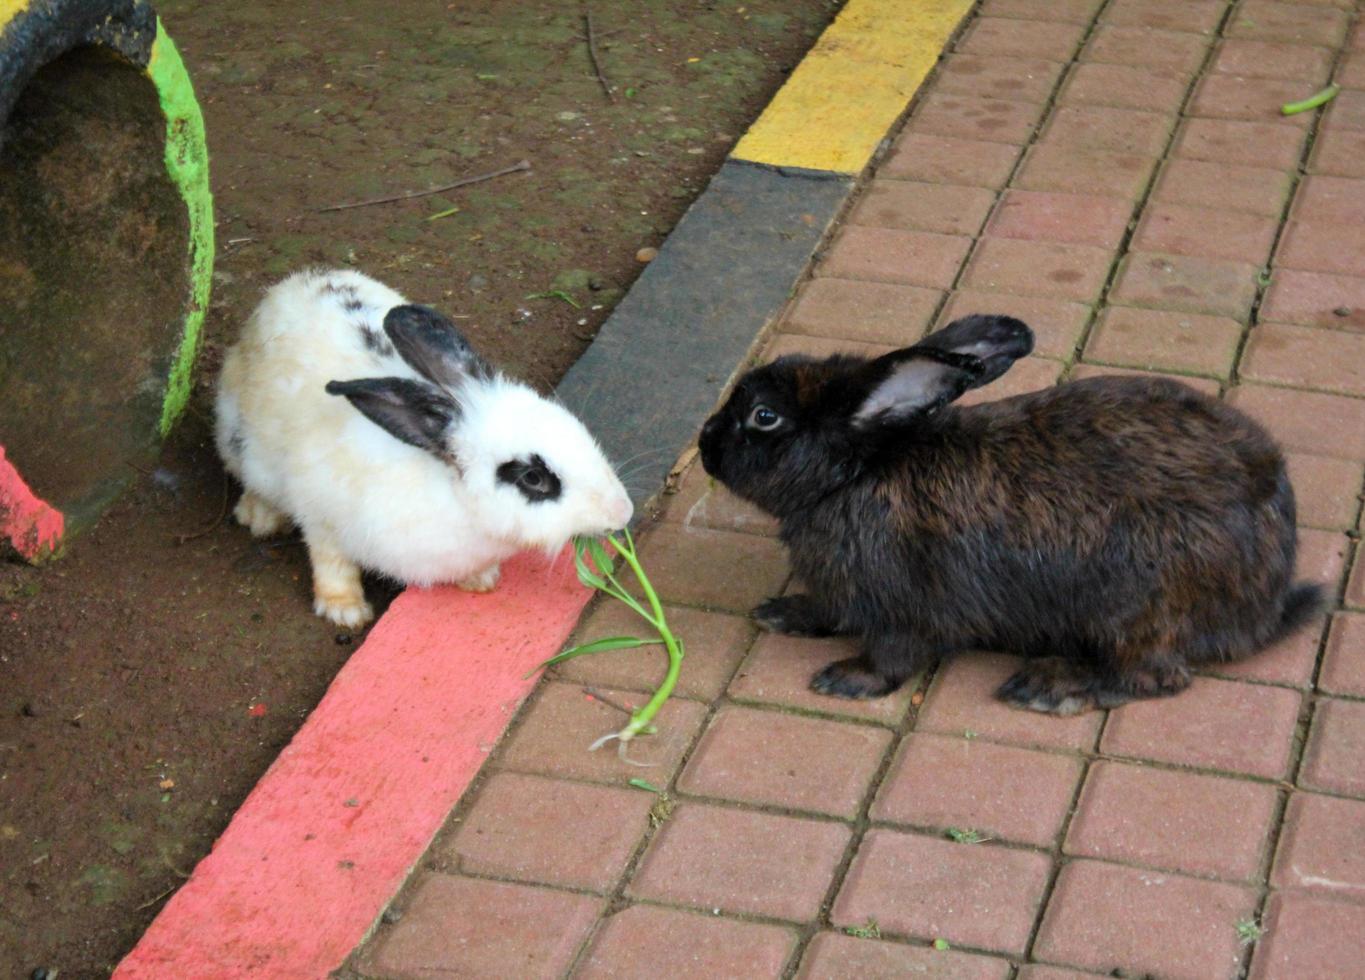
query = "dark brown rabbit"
{"x": 1117, "y": 531}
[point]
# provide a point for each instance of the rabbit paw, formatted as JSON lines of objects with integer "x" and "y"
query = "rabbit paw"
{"x": 483, "y": 581}
{"x": 795, "y": 615}
{"x": 1059, "y": 686}
{"x": 349, "y": 610}
{"x": 852, "y": 678}
{"x": 258, "y": 517}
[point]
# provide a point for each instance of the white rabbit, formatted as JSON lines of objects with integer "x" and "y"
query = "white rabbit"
{"x": 372, "y": 425}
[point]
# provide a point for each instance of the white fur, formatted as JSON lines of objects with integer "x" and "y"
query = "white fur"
{"x": 358, "y": 492}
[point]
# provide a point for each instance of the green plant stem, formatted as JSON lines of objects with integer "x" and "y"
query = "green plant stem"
{"x": 1312, "y": 102}
{"x": 641, "y": 719}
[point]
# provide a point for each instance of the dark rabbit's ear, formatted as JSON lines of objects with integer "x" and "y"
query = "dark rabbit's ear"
{"x": 996, "y": 341}
{"x": 965, "y": 354}
{"x": 416, "y": 413}
{"x": 433, "y": 346}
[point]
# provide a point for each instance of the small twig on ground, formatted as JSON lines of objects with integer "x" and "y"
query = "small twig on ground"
{"x": 222, "y": 513}
{"x": 152, "y": 901}
{"x": 596, "y": 64}
{"x": 174, "y": 870}
{"x": 462, "y": 182}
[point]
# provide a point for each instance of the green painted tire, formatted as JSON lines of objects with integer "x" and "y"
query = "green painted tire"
{"x": 106, "y": 256}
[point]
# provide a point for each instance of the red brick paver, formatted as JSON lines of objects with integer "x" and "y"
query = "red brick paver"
{"x": 1223, "y": 186}
{"x": 948, "y": 160}
{"x": 1309, "y": 936}
{"x": 465, "y": 927}
{"x": 1105, "y": 916}
{"x": 835, "y": 956}
{"x": 1198, "y": 824}
{"x": 519, "y": 824}
{"x": 786, "y": 760}
{"x": 1063, "y": 271}
{"x": 1320, "y": 846}
{"x": 712, "y": 857}
{"x": 1181, "y": 229}
{"x": 994, "y": 77}
{"x": 969, "y": 894}
{"x": 1215, "y": 724}
{"x": 916, "y": 258}
{"x": 874, "y": 313}
{"x": 1001, "y": 792}
{"x": 1326, "y": 490}
{"x": 1159, "y": 340}
{"x": 1079, "y": 219}
{"x": 1236, "y": 141}
{"x": 1343, "y": 667}
{"x": 1146, "y": 46}
{"x": 694, "y": 945}
{"x": 1301, "y": 419}
{"x": 1194, "y": 284}
{"x": 1335, "y": 749}
{"x": 1022, "y": 38}
{"x": 1307, "y": 358}
{"x": 914, "y": 206}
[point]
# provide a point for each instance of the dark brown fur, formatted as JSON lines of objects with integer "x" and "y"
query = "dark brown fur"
{"x": 1117, "y": 530}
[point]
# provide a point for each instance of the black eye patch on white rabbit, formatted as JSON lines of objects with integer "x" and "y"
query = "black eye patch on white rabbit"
{"x": 374, "y": 426}
{"x": 1116, "y": 531}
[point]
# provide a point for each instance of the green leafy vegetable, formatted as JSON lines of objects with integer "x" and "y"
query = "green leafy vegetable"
{"x": 596, "y": 569}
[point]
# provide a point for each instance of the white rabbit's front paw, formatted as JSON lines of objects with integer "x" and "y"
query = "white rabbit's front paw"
{"x": 483, "y": 581}
{"x": 337, "y": 593}
{"x": 344, "y": 610}
{"x": 258, "y": 517}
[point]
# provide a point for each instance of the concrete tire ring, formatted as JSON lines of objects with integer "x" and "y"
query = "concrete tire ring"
{"x": 106, "y": 257}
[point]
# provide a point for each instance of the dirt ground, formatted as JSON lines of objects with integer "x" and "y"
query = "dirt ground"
{"x": 148, "y": 679}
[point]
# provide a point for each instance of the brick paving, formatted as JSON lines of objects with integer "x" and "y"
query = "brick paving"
{"x": 1115, "y": 172}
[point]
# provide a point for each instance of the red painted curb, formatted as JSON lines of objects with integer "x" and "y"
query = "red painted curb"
{"x": 331, "y": 831}
{"x": 32, "y": 525}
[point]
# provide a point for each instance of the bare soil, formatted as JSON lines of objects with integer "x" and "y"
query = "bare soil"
{"x": 148, "y": 679}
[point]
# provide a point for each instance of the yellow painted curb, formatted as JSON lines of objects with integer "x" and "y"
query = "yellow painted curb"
{"x": 853, "y": 85}
{"x": 8, "y": 10}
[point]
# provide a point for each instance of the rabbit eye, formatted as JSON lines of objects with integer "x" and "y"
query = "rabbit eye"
{"x": 532, "y": 477}
{"x": 764, "y": 419}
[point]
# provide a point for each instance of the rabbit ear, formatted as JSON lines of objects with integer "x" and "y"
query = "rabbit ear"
{"x": 965, "y": 354}
{"x": 412, "y": 411}
{"x": 433, "y": 346}
{"x": 996, "y": 341}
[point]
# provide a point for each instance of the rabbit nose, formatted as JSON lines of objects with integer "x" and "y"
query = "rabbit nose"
{"x": 620, "y": 511}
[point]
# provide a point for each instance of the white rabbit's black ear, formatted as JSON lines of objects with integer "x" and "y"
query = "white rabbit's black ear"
{"x": 996, "y": 341}
{"x": 433, "y": 346}
{"x": 915, "y": 380}
{"x": 416, "y": 413}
